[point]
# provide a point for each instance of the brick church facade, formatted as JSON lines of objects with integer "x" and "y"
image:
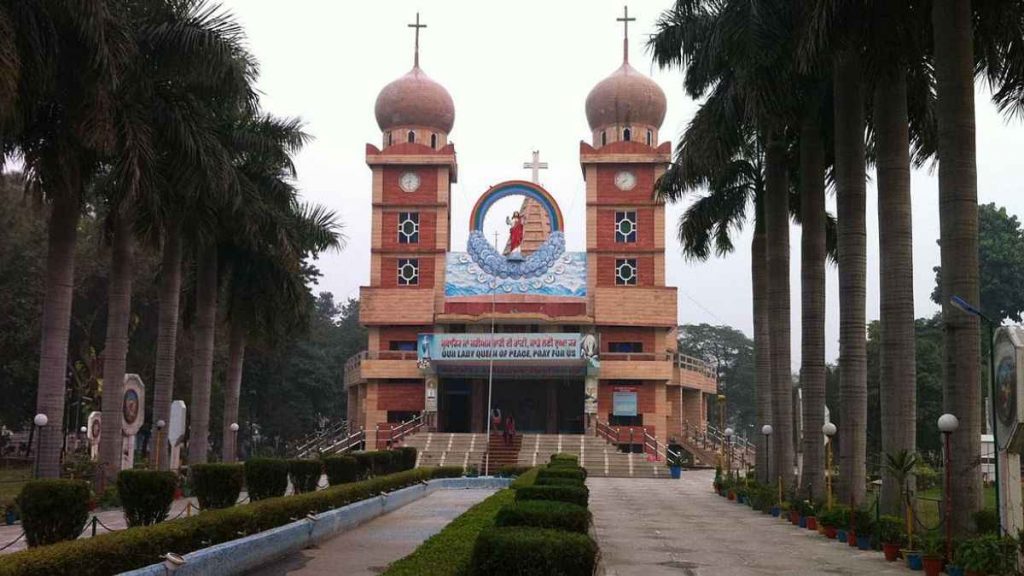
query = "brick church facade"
{"x": 569, "y": 341}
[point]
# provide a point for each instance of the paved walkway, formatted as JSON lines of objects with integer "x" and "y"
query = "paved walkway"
{"x": 680, "y": 527}
{"x": 369, "y": 549}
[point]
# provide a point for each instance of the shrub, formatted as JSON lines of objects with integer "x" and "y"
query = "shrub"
{"x": 266, "y": 478}
{"x": 564, "y": 458}
{"x": 575, "y": 473}
{"x": 342, "y": 470}
{"x": 305, "y": 474}
{"x": 384, "y": 462}
{"x": 146, "y": 495}
{"x": 533, "y": 552}
{"x": 538, "y": 514}
{"x": 572, "y": 494}
{"x": 925, "y": 477}
{"x": 557, "y": 481}
{"x": 448, "y": 552}
{"x": 863, "y": 522}
{"x": 125, "y": 550}
{"x": 890, "y": 530}
{"x": 986, "y": 521}
{"x": 53, "y": 510}
{"x": 407, "y": 457}
{"x": 217, "y": 485}
{"x": 525, "y": 479}
{"x": 512, "y": 471}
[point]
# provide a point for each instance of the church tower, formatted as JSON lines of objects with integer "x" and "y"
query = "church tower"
{"x": 413, "y": 170}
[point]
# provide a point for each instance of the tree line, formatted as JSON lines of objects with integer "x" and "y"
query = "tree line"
{"x": 798, "y": 98}
{"x": 144, "y": 115}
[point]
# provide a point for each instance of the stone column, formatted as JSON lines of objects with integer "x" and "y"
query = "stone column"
{"x": 478, "y": 406}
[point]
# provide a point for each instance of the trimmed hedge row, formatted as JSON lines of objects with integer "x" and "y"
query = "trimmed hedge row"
{"x": 266, "y": 478}
{"x": 557, "y": 481}
{"x": 217, "y": 485}
{"x": 117, "y": 552}
{"x": 146, "y": 495}
{"x": 53, "y": 510}
{"x": 305, "y": 474}
{"x": 578, "y": 495}
{"x": 533, "y": 552}
{"x": 563, "y": 472}
{"x": 512, "y": 471}
{"x": 540, "y": 514}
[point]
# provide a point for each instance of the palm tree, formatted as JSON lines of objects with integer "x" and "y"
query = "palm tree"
{"x": 63, "y": 60}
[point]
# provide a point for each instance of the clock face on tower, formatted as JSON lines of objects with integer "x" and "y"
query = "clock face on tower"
{"x": 410, "y": 182}
{"x": 625, "y": 180}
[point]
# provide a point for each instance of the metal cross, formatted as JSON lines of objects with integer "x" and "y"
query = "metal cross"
{"x": 536, "y": 166}
{"x": 417, "y": 26}
{"x": 625, "y": 31}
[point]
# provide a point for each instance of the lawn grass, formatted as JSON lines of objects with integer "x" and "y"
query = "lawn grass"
{"x": 448, "y": 553}
{"x": 11, "y": 481}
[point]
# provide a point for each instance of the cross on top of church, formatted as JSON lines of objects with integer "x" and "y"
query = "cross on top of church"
{"x": 417, "y": 26}
{"x": 535, "y": 167}
{"x": 625, "y": 31}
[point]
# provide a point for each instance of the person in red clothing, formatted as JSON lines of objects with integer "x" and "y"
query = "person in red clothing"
{"x": 496, "y": 421}
{"x": 510, "y": 430}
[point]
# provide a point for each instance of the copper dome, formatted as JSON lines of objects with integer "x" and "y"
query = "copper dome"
{"x": 415, "y": 100}
{"x": 625, "y": 97}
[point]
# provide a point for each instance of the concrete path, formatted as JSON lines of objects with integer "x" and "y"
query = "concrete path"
{"x": 680, "y": 527}
{"x": 370, "y": 548}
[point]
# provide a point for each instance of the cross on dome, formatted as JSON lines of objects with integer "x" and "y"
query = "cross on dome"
{"x": 417, "y": 26}
{"x": 535, "y": 166}
{"x": 625, "y": 32}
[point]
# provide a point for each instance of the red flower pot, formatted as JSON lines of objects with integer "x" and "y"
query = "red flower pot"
{"x": 732, "y": 495}
{"x": 794, "y": 517}
{"x": 830, "y": 532}
{"x": 851, "y": 538}
{"x": 932, "y": 565}
{"x": 812, "y": 523}
{"x": 891, "y": 551}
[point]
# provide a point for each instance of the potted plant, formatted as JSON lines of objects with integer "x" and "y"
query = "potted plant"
{"x": 978, "y": 556}
{"x": 932, "y": 548}
{"x": 675, "y": 460}
{"x": 827, "y": 522}
{"x": 10, "y": 512}
{"x": 889, "y": 531}
{"x": 863, "y": 526}
{"x": 717, "y": 482}
{"x": 810, "y": 514}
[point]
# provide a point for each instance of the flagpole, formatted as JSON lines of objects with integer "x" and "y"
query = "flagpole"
{"x": 490, "y": 375}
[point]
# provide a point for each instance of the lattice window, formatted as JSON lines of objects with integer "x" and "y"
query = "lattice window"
{"x": 408, "y": 227}
{"x": 625, "y": 226}
{"x": 627, "y": 134}
{"x": 625, "y": 271}
{"x": 408, "y": 271}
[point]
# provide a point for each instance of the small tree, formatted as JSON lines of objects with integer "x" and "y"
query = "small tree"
{"x": 901, "y": 466}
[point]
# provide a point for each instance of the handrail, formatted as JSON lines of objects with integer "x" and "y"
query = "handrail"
{"x": 693, "y": 364}
{"x": 398, "y": 433}
{"x": 312, "y": 441}
{"x": 347, "y": 443}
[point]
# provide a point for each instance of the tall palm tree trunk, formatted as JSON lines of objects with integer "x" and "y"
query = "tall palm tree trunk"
{"x": 167, "y": 337}
{"x": 958, "y": 224}
{"x": 898, "y": 387}
{"x": 776, "y": 211}
{"x": 851, "y": 194}
{"x": 812, "y": 298}
{"x": 762, "y": 351}
{"x": 202, "y": 357}
{"x": 56, "y": 325}
{"x": 115, "y": 349}
{"x": 236, "y": 360}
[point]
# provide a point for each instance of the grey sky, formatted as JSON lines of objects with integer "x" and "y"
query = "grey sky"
{"x": 519, "y": 73}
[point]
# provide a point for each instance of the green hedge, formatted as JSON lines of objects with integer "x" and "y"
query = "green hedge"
{"x": 557, "y": 472}
{"x": 557, "y": 481}
{"x": 533, "y": 552}
{"x": 573, "y": 494}
{"x": 564, "y": 459}
{"x": 341, "y": 470}
{"x": 448, "y": 552}
{"x": 117, "y": 552}
{"x": 512, "y": 471}
{"x": 266, "y": 478}
{"x": 217, "y": 485}
{"x": 305, "y": 474}
{"x": 525, "y": 479}
{"x": 407, "y": 457}
{"x": 539, "y": 514}
{"x": 53, "y": 510}
{"x": 146, "y": 495}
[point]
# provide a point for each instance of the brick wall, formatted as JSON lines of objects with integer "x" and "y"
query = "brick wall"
{"x": 645, "y": 396}
{"x": 428, "y": 230}
{"x": 425, "y": 194}
{"x": 389, "y": 271}
{"x": 611, "y": 334}
{"x": 606, "y": 270}
{"x": 645, "y": 231}
{"x": 400, "y": 395}
{"x": 608, "y": 193}
{"x": 389, "y": 334}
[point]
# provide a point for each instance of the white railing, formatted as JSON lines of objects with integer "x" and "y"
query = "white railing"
{"x": 353, "y": 440}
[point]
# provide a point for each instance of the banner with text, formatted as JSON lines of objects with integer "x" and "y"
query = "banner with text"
{"x": 550, "y": 347}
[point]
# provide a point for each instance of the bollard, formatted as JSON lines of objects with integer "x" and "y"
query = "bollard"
{"x": 94, "y": 521}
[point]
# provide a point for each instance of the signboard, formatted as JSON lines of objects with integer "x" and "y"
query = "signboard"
{"x": 590, "y": 395}
{"x": 623, "y": 403}
{"x": 176, "y": 426}
{"x": 132, "y": 405}
{"x": 430, "y": 403}
{"x": 551, "y": 347}
{"x": 1009, "y": 385}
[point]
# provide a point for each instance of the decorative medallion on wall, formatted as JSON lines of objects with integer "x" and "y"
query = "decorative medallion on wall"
{"x": 409, "y": 182}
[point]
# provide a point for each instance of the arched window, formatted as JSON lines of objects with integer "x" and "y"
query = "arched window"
{"x": 412, "y": 136}
{"x": 389, "y": 138}
{"x": 626, "y": 134}
{"x": 433, "y": 141}
{"x": 650, "y": 138}
{"x": 604, "y": 137}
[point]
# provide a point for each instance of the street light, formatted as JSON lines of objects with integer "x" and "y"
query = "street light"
{"x": 40, "y": 421}
{"x": 158, "y": 446}
{"x": 966, "y": 307}
{"x": 728, "y": 440}
{"x": 766, "y": 430}
{"x": 948, "y": 424}
{"x": 829, "y": 430}
{"x": 234, "y": 442}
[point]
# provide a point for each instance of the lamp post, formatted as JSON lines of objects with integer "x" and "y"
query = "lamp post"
{"x": 948, "y": 424}
{"x": 766, "y": 430}
{"x": 158, "y": 447}
{"x": 728, "y": 441}
{"x": 233, "y": 453}
{"x": 829, "y": 430}
{"x": 40, "y": 421}
{"x": 490, "y": 372}
{"x": 963, "y": 305}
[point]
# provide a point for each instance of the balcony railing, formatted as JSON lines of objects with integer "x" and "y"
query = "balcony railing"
{"x": 353, "y": 364}
{"x": 692, "y": 364}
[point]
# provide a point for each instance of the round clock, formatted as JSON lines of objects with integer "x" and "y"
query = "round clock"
{"x": 410, "y": 181}
{"x": 625, "y": 180}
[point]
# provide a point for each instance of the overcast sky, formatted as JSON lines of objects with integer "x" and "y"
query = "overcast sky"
{"x": 519, "y": 73}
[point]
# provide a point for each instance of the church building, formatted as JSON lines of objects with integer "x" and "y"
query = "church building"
{"x": 566, "y": 342}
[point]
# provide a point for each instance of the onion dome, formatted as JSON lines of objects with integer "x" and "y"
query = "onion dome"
{"x": 415, "y": 100}
{"x": 626, "y": 97}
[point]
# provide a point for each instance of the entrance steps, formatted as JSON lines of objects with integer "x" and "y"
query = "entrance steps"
{"x": 600, "y": 458}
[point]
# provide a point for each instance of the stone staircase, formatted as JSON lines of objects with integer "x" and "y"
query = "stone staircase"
{"x": 504, "y": 455}
{"x": 600, "y": 458}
